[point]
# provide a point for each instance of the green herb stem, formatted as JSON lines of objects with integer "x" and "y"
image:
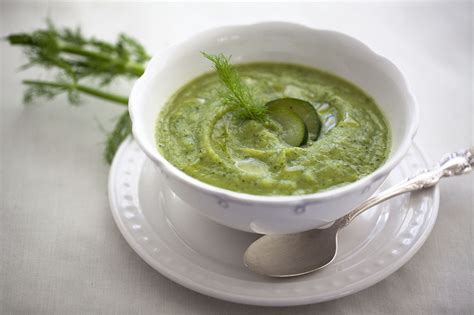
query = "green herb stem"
{"x": 130, "y": 67}
{"x": 81, "y": 88}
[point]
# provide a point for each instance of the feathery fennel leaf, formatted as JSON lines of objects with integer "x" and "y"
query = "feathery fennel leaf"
{"x": 238, "y": 94}
{"x": 122, "y": 129}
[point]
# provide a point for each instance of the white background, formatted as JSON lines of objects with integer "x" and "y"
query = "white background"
{"x": 60, "y": 249}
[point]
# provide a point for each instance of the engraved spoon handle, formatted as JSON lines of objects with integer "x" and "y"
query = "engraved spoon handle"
{"x": 452, "y": 164}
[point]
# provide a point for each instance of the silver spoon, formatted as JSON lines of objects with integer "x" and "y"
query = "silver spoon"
{"x": 289, "y": 255}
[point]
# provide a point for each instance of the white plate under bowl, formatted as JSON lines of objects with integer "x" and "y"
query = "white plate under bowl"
{"x": 207, "y": 257}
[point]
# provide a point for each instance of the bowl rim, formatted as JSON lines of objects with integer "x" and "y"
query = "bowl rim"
{"x": 235, "y": 196}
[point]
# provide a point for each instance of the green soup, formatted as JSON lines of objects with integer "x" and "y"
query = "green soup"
{"x": 204, "y": 138}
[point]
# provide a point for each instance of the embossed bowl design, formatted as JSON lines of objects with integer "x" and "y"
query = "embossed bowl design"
{"x": 278, "y": 42}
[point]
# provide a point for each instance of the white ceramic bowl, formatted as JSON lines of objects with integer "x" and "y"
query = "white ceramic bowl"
{"x": 337, "y": 53}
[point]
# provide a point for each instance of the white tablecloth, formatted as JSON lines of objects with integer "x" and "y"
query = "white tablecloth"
{"x": 60, "y": 249}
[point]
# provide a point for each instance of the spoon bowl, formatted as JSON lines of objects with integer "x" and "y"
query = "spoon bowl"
{"x": 289, "y": 255}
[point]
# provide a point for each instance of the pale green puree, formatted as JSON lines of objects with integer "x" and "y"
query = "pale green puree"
{"x": 206, "y": 139}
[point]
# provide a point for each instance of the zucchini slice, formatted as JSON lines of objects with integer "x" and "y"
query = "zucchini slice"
{"x": 304, "y": 110}
{"x": 295, "y": 132}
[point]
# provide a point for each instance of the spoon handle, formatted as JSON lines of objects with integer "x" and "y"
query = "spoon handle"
{"x": 451, "y": 164}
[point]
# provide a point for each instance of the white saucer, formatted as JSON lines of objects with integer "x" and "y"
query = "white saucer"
{"x": 207, "y": 257}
